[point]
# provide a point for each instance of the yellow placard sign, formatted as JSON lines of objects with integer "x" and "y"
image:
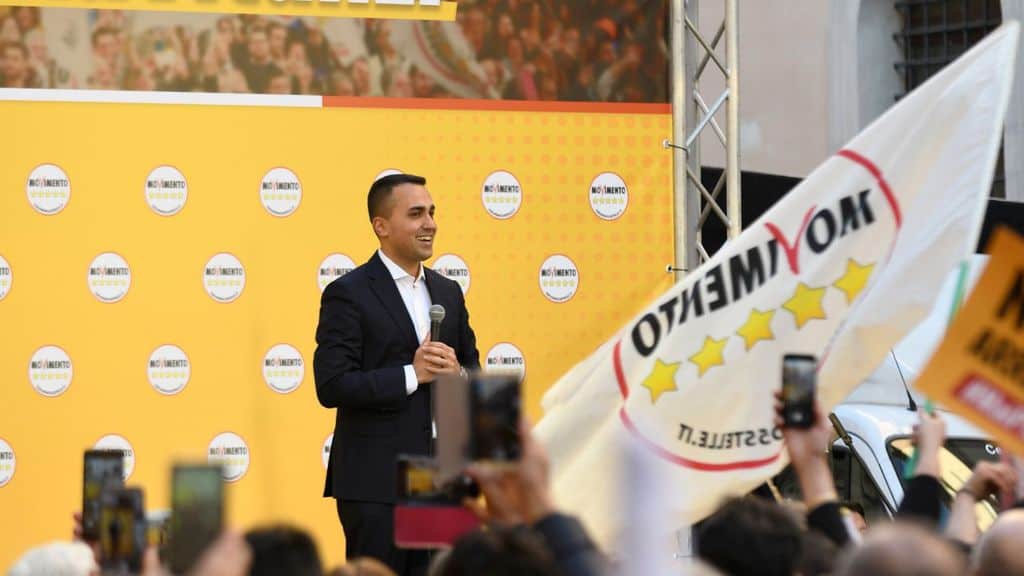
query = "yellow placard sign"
{"x": 978, "y": 370}
{"x": 394, "y": 9}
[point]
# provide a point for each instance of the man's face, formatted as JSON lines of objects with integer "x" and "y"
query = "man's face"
{"x": 407, "y": 233}
{"x": 277, "y": 39}
{"x": 14, "y": 64}
{"x": 259, "y": 48}
{"x": 106, "y": 46}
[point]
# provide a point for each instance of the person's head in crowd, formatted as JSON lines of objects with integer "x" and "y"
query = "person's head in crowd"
{"x": 492, "y": 71}
{"x": 27, "y": 17}
{"x": 548, "y": 87}
{"x": 227, "y": 28}
{"x": 57, "y": 559}
{"x": 606, "y": 53}
{"x": 296, "y": 52}
{"x": 106, "y": 43}
{"x": 340, "y": 84}
{"x": 14, "y": 65}
{"x": 514, "y": 53}
{"x": 382, "y": 37}
{"x": 38, "y": 52}
{"x": 283, "y": 550}
{"x": 901, "y": 550}
{"x": 361, "y": 76}
{"x": 277, "y": 36}
{"x": 474, "y": 28}
{"x": 571, "y": 42}
{"x": 259, "y": 45}
{"x": 817, "y": 554}
{"x": 499, "y": 551}
{"x": 279, "y": 82}
{"x": 1000, "y": 550}
{"x": 855, "y": 512}
{"x": 506, "y": 27}
{"x": 362, "y": 567}
{"x": 9, "y": 29}
{"x": 400, "y": 86}
{"x": 750, "y": 536}
{"x": 423, "y": 86}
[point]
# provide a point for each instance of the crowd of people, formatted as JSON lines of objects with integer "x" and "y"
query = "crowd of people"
{"x": 524, "y": 534}
{"x": 581, "y": 50}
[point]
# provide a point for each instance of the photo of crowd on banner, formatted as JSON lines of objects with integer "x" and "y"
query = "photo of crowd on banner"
{"x": 570, "y": 50}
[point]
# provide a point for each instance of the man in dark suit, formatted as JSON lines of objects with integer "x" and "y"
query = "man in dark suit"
{"x": 374, "y": 362}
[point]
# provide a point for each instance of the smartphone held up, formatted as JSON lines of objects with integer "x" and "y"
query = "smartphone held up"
{"x": 799, "y": 388}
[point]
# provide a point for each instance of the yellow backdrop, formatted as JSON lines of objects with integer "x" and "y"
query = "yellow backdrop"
{"x": 107, "y": 151}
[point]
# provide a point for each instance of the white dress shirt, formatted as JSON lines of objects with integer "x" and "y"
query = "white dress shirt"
{"x": 417, "y": 302}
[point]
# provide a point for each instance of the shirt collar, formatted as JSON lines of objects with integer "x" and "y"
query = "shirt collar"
{"x": 397, "y": 272}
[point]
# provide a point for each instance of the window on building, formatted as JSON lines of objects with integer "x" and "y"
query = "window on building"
{"x": 934, "y": 33}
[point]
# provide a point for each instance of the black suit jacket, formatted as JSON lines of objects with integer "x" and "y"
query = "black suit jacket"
{"x": 364, "y": 339}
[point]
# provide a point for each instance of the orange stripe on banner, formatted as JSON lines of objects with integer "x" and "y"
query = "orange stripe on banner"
{"x": 498, "y": 105}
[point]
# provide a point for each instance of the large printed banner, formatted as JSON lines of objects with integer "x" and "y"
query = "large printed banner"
{"x": 977, "y": 370}
{"x": 841, "y": 268}
{"x": 161, "y": 267}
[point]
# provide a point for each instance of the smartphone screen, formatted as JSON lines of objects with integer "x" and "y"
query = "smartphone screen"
{"x": 495, "y": 410}
{"x": 102, "y": 468}
{"x": 799, "y": 380}
{"x": 197, "y": 511}
{"x": 122, "y": 530}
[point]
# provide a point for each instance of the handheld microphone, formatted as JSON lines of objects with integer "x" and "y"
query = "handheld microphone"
{"x": 436, "y": 316}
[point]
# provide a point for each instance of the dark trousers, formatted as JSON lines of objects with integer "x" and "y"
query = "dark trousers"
{"x": 370, "y": 531}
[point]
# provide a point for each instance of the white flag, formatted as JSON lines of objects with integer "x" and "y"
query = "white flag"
{"x": 841, "y": 268}
{"x": 439, "y": 50}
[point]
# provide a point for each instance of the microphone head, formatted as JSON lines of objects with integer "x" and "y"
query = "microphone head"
{"x": 436, "y": 313}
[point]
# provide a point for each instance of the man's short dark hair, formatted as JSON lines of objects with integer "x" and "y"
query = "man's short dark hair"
{"x": 499, "y": 551}
{"x": 283, "y": 550}
{"x": 750, "y": 536}
{"x": 103, "y": 31}
{"x": 381, "y": 190}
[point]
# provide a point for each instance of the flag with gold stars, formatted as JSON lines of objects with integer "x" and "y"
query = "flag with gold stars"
{"x": 841, "y": 268}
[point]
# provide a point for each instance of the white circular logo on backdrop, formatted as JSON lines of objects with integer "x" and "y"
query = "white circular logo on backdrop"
{"x": 280, "y": 191}
{"x": 325, "y": 451}
{"x": 608, "y": 196}
{"x": 118, "y": 443}
{"x": 388, "y": 172}
{"x": 109, "y": 277}
{"x": 502, "y": 195}
{"x": 48, "y": 189}
{"x": 50, "y": 371}
{"x": 505, "y": 358}
{"x": 168, "y": 369}
{"x": 7, "y": 463}
{"x": 6, "y": 278}
{"x": 224, "y": 277}
{"x": 333, "y": 267}
{"x": 283, "y": 368}
{"x": 453, "y": 268}
{"x": 230, "y": 452}
{"x": 559, "y": 278}
{"x": 166, "y": 190}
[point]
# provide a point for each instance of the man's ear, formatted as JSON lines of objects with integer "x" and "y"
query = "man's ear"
{"x": 381, "y": 227}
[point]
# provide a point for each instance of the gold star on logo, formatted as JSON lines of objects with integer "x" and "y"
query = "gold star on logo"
{"x": 854, "y": 279}
{"x": 806, "y": 304}
{"x": 710, "y": 355}
{"x": 661, "y": 379}
{"x": 757, "y": 327}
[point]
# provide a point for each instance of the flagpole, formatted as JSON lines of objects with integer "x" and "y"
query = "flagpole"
{"x": 679, "y": 157}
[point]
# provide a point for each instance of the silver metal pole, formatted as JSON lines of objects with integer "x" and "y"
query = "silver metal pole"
{"x": 732, "y": 140}
{"x": 679, "y": 94}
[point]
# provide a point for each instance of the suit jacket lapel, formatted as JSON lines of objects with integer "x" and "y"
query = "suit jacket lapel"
{"x": 383, "y": 286}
